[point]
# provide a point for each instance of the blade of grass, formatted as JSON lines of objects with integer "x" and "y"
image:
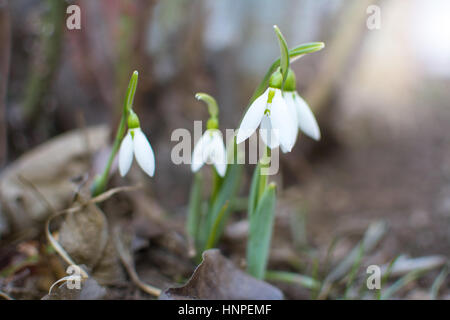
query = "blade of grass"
{"x": 373, "y": 235}
{"x": 386, "y": 274}
{"x": 400, "y": 283}
{"x": 290, "y": 277}
{"x": 438, "y": 282}
{"x": 354, "y": 270}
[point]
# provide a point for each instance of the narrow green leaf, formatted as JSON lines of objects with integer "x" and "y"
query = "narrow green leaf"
{"x": 284, "y": 57}
{"x": 400, "y": 283}
{"x": 373, "y": 235}
{"x": 260, "y": 233}
{"x": 195, "y": 207}
{"x": 371, "y": 238}
{"x": 254, "y": 187}
{"x": 290, "y": 277}
{"x": 131, "y": 91}
{"x": 213, "y": 235}
{"x": 386, "y": 275}
{"x": 438, "y": 282}
{"x": 226, "y": 193}
{"x": 354, "y": 270}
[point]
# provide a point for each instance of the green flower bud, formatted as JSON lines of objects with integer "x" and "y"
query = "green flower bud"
{"x": 213, "y": 123}
{"x": 133, "y": 120}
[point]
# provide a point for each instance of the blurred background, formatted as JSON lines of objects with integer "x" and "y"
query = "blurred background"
{"x": 380, "y": 96}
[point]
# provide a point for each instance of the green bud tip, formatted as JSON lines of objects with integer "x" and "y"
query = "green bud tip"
{"x": 129, "y": 99}
{"x": 133, "y": 120}
{"x": 213, "y": 109}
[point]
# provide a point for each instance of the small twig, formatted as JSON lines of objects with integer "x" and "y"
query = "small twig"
{"x": 100, "y": 198}
{"x": 127, "y": 260}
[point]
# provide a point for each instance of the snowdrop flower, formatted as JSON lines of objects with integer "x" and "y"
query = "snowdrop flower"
{"x": 210, "y": 149}
{"x": 270, "y": 112}
{"x": 135, "y": 142}
{"x": 304, "y": 118}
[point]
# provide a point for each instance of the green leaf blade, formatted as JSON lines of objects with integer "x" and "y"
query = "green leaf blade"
{"x": 195, "y": 206}
{"x": 284, "y": 57}
{"x": 260, "y": 233}
{"x": 253, "y": 196}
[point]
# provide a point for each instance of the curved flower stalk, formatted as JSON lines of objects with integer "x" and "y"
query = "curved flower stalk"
{"x": 210, "y": 149}
{"x": 136, "y": 143}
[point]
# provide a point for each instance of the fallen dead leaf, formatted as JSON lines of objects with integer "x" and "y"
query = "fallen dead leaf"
{"x": 85, "y": 236}
{"x": 216, "y": 278}
{"x": 49, "y": 167}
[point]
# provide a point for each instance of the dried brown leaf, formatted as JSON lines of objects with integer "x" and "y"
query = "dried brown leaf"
{"x": 216, "y": 278}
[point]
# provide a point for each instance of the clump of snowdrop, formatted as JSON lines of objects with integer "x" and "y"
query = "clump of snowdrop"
{"x": 135, "y": 143}
{"x": 210, "y": 149}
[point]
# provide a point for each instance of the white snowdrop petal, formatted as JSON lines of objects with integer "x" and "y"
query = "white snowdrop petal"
{"x": 289, "y": 98}
{"x": 252, "y": 117}
{"x": 268, "y": 134}
{"x": 144, "y": 152}
{"x": 218, "y": 154}
{"x": 125, "y": 154}
{"x": 283, "y": 149}
{"x": 281, "y": 120}
{"x": 306, "y": 120}
{"x": 200, "y": 153}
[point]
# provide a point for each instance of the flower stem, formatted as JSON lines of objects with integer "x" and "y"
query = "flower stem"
{"x": 99, "y": 184}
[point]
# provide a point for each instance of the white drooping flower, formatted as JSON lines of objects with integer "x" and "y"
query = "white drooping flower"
{"x": 210, "y": 149}
{"x": 304, "y": 117}
{"x": 271, "y": 113}
{"x": 135, "y": 142}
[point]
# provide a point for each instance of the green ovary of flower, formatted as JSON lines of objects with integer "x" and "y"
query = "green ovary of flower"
{"x": 276, "y": 80}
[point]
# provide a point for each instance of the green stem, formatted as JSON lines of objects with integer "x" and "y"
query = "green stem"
{"x": 99, "y": 185}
